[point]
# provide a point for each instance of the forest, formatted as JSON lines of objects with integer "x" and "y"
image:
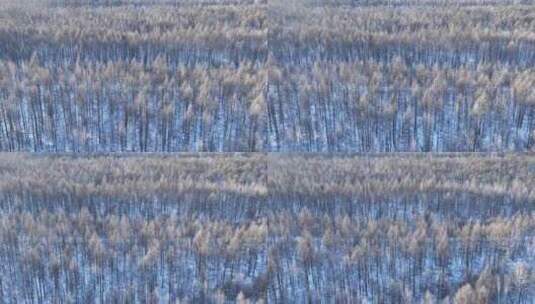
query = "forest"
{"x": 431, "y": 78}
{"x": 306, "y": 76}
{"x": 246, "y": 228}
{"x": 415, "y": 228}
{"x": 132, "y": 229}
{"x": 153, "y": 78}
{"x": 267, "y": 151}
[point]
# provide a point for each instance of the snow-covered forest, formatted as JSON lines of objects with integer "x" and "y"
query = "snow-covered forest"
{"x": 250, "y": 151}
{"x": 321, "y": 76}
{"x": 132, "y": 78}
{"x": 401, "y": 229}
{"x": 268, "y": 228}
{"x": 401, "y": 78}
{"x": 132, "y": 229}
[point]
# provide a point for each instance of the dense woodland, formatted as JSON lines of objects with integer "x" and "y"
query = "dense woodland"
{"x": 361, "y": 76}
{"x": 401, "y": 229}
{"x": 86, "y": 84}
{"x": 438, "y": 77}
{"x": 276, "y": 229}
{"x": 132, "y": 78}
{"x": 132, "y": 229}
